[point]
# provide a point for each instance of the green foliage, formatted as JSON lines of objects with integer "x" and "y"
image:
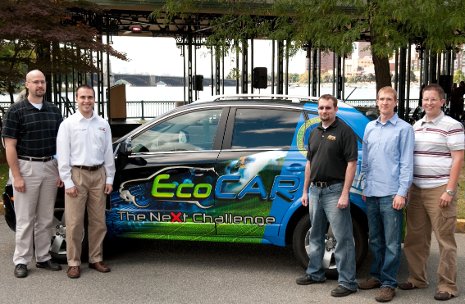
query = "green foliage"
{"x": 435, "y": 24}
{"x": 334, "y": 25}
{"x": 234, "y": 74}
{"x": 327, "y": 25}
{"x": 52, "y": 35}
{"x": 458, "y": 76}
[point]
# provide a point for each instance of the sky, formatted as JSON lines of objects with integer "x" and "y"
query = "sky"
{"x": 161, "y": 56}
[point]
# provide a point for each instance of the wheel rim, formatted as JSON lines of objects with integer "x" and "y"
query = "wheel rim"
{"x": 329, "y": 261}
{"x": 58, "y": 246}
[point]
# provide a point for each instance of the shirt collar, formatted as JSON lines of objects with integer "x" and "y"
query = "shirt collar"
{"x": 435, "y": 121}
{"x": 333, "y": 125}
{"x": 393, "y": 120}
{"x": 30, "y": 106}
{"x": 81, "y": 117}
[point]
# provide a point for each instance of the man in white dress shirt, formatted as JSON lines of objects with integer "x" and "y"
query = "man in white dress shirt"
{"x": 86, "y": 166}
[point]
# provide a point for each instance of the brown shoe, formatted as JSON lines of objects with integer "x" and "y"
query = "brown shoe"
{"x": 407, "y": 286}
{"x": 385, "y": 294}
{"x": 74, "y": 272}
{"x": 371, "y": 283}
{"x": 99, "y": 266}
{"x": 443, "y": 296}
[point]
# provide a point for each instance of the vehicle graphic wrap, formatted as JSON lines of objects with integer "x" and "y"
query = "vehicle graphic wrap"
{"x": 248, "y": 189}
{"x": 294, "y": 165}
{"x": 175, "y": 188}
{"x": 248, "y": 196}
{"x": 182, "y": 202}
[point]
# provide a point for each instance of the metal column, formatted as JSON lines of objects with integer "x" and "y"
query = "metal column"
{"x": 245, "y": 67}
{"x": 280, "y": 71}
{"x": 401, "y": 87}
{"x": 217, "y": 71}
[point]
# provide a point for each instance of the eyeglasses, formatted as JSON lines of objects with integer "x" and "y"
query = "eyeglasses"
{"x": 324, "y": 108}
{"x": 37, "y": 82}
{"x": 432, "y": 100}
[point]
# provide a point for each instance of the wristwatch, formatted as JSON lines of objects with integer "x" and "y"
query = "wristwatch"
{"x": 451, "y": 192}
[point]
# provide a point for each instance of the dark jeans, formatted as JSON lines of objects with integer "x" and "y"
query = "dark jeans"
{"x": 385, "y": 225}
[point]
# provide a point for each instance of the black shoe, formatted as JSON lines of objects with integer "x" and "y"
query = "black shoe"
{"x": 307, "y": 280}
{"x": 49, "y": 265}
{"x": 341, "y": 291}
{"x": 21, "y": 271}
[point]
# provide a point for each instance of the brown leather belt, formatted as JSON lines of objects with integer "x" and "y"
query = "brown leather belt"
{"x": 89, "y": 168}
{"x": 36, "y": 159}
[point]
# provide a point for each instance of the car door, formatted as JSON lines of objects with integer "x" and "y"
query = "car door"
{"x": 260, "y": 167}
{"x": 169, "y": 177}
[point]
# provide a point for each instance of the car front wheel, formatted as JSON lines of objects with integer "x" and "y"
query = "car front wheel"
{"x": 58, "y": 245}
{"x": 58, "y": 241}
{"x": 301, "y": 245}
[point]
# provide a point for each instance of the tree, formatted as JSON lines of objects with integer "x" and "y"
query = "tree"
{"x": 458, "y": 76}
{"x": 335, "y": 25}
{"x": 388, "y": 25}
{"x": 55, "y": 36}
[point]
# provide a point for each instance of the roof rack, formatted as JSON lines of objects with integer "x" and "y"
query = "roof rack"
{"x": 292, "y": 98}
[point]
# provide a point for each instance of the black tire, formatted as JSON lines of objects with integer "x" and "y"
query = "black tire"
{"x": 300, "y": 245}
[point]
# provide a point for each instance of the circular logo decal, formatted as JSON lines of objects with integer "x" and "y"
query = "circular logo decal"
{"x": 309, "y": 124}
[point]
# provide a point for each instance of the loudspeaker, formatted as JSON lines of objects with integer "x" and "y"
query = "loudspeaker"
{"x": 260, "y": 78}
{"x": 445, "y": 81}
{"x": 198, "y": 82}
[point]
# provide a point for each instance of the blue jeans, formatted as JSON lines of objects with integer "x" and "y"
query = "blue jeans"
{"x": 385, "y": 225}
{"x": 323, "y": 208}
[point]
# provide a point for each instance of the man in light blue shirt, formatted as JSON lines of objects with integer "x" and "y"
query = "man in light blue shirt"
{"x": 387, "y": 163}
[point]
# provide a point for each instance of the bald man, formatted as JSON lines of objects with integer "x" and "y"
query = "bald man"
{"x": 29, "y": 133}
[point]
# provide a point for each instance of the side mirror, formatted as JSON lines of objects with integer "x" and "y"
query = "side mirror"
{"x": 125, "y": 147}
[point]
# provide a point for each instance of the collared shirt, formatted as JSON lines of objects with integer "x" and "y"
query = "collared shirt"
{"x": 35, "y": 130}
{"x": 434, "y": 141}
{"x": 84, "y": 142}
{"x": 329, "y": 151}
{"x": 387, "y": 159}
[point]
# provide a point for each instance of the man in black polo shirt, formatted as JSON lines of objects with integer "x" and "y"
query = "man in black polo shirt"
{"x": 29, "y": 132}
{"x": 329, "y": 173}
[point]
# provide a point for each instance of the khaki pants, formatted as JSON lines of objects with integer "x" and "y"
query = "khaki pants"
{"x": 34, "y": 210}
{"x": 423, "y": 216}
{"x": 90, "y": 186}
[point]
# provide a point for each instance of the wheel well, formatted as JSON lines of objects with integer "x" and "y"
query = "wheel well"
{"x": 360, "y": 216}
{"x": 355, "y": 210}
{"x": 298, "y": 214}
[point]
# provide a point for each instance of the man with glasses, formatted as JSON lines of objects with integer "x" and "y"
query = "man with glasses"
{"x": 438, "y": 159}
{"x": 329, "y": 173}
{"x": 29, "y": 133}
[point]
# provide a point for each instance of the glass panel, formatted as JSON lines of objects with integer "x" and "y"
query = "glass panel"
{"x": 194, "y": 131}
{"x": 264, "y": 128}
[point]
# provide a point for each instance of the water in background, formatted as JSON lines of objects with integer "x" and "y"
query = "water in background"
{"x": 360, "y": 92}
{"x": 166, "y": 93}
{"x": 159, "y": 100}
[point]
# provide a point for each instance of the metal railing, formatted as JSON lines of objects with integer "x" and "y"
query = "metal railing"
{"x": 146, "y": 109}
{"x": 371, "y": 103}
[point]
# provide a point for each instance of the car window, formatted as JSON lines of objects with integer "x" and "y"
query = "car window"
{"x": 264, "y": 128}
{"x": 193, "y": 131}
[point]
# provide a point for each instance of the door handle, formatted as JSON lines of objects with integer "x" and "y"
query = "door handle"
{"x": 295, "y": 168}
